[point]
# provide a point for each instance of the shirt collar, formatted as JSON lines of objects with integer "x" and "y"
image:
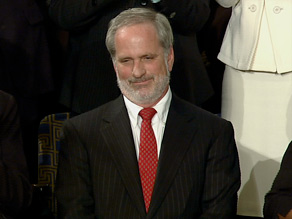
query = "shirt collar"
{"x": 161, "y": 107}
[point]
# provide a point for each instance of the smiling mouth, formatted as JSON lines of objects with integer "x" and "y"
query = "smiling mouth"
{"x": 141, "y": 80}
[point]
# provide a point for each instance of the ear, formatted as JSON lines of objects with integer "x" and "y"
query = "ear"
{"x": 170, "y": 59}
{"x": 115, "y": 66}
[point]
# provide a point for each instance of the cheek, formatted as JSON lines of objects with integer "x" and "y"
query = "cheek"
{"x": 161, "y": 69}
{"x": 155, "y": 67}
{"x": 123, "y": 72}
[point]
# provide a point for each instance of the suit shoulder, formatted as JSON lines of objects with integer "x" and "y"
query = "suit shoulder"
{"x": 200, "y": 114}
{"x": 97, "y": 114}
{"x": 204, "y": 114}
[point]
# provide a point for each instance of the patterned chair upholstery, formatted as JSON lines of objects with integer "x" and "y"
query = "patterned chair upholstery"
{"x": 48, "y": 151}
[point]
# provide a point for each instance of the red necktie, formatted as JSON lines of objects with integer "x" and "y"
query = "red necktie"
{"x": 148, "y": 157}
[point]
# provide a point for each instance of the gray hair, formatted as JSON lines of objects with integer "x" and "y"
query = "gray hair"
{"x": 137, "y": 16}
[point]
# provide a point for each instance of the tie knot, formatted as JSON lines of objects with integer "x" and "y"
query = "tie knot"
{"x": 147, "y": 113}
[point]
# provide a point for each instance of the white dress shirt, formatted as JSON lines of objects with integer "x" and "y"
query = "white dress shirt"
{"x": 158, "y": 120}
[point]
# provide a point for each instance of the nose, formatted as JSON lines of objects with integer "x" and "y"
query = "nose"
{"x": 138, "y": 69}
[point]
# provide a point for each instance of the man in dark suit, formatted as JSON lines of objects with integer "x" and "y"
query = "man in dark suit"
{"x": 278, "y": 202}
{"x": 15, "y": 188}
{"x": 89, "y": 79}
{"x": 101, "y": 157}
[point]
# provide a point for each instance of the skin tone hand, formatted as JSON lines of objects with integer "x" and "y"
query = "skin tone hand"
{"x": 288, "y": 216}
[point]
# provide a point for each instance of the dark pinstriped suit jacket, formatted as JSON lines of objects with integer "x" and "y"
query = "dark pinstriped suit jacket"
{"x": 198, "y": 171}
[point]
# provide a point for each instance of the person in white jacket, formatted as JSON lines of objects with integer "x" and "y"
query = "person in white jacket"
{"x": 257, "y": 91}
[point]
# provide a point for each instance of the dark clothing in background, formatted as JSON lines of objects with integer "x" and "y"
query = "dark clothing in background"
{"x": 25, "y": 64}
{"x": 25, "y": 67}
{"x": 279, "y": 198}
{"x": 15, "y": 188}
{"x": 209, "y": 40}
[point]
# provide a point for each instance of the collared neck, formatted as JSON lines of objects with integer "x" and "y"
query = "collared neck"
{"x": 161, "y": 107}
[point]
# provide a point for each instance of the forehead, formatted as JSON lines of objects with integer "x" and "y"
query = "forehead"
{"x": 142, "y": 30}
{"x": 138, "y": 38}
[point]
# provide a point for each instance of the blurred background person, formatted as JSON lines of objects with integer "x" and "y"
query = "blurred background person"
{"x": 257, "y": 92}
{"x": 25, "y": 69}
{"x": 209, "y": 42}
{"x": 15, "y": 188}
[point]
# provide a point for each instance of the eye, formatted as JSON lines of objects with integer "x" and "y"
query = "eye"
{"x": 124, "y": 60}
{"x": 148, "y": 57}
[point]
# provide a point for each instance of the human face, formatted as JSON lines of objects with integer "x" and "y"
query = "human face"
{"x": 141, "y": 65}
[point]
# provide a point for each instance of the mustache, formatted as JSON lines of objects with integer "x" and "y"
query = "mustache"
{"x": 142, "y": 79}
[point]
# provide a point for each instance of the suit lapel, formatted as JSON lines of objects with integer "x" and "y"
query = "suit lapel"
{"x": 176, "y": 141}
{"x": 118, "y": 135}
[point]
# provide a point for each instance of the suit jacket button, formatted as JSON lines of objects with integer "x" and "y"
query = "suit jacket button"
{"x": 253, "y": 8}
{"x": 277, "y": 10}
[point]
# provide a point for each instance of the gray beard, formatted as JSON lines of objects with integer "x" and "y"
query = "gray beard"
{"x": 137, "y": 97}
